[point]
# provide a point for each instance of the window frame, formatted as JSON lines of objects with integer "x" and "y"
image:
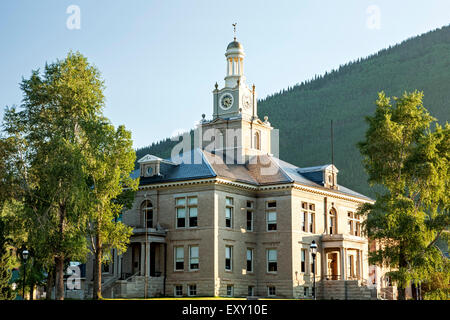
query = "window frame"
{"x": 271, "y": 226}
{"x": 269, "y": 294}
{"x": 308, "y": 217}
{"x": 250, "y": 210}
{"x": 229, "y": 206}
{"x": 251, "y": 250}
{"x": 303, "y": 260}
{"x": 271, "y": 261}
{"x": 231, "y": 294}
{"x": 175, "y": 292}
{"x": 176, "y": 258}
{"x": 190, "y": 258}
{"x": 189, "y": 290}
{"x": 145, "y": 210}
{"x": 186, "y": 206}
{"x": 230, "y": 258}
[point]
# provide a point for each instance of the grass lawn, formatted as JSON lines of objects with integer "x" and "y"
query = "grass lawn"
{"x": 195, "y": 298}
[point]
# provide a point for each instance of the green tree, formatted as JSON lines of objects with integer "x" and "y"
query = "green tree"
{"x": 6, "y": 291}
{"x": 47, "y": 136}
{"x": 410, "y": 161}
{"x": 111, "y": 160}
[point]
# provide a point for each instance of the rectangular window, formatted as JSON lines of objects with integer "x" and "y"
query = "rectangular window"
{"x": 249, "y": 220}
{"x": 186, "y": 210}
{"x": 181, "y": 217}
{"x": 308, "y": 223}
{"x": 228, "y": 258}
{"x": 271, "y": 291}
{"x": 192, "y": 290}
{"x": 250, "y": 260}
{"x": 311, "y": 222}
{"x": 229, "y": 212}
{"x": 178, "y": 290}
{"x": 251, "y": 291}
{"x": 193, "y": 258}
{"x": 230, "y": 290}
{"x": 271, "y": 221}
{"x": 303, "y": 260}
{"x": 179, "y": 258}
{"x": 354, "y": 225}
{"x": 305, "y": 292}
{"x": 272, "y": 260}
{"x": 304, "y": 216}
{"x": 271, "y": 204}
{"x": 192, "y": 205}
{"x": 192, "y": 216}
{"x": 249, "y": 216}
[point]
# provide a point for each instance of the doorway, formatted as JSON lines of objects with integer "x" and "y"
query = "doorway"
{"x": 332, "y": 266}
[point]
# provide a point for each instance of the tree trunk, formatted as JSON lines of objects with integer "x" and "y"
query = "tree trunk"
{"x": 401, "y": 287}
{"x": 49, "y": 289}
{"x": 97, "y": 290}
{"x": 59, "y": 264}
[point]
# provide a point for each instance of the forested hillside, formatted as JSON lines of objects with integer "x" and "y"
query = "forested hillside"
{"x": 303, "y": 112}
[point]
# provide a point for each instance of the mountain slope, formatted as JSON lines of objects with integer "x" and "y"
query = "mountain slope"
{"x": 303, "y": 113}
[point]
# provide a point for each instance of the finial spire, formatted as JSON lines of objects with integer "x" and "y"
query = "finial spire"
{"x": 234, "y": 27}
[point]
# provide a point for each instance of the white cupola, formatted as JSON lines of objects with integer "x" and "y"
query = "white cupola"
{"x": 235, "y": 64}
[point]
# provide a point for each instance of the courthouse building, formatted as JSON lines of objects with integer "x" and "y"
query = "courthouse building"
{"x": 228, "y": 218}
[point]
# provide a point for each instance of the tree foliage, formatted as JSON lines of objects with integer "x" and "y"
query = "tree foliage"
{"x": 56, "y": 151}
{"x": 409, "y": 157}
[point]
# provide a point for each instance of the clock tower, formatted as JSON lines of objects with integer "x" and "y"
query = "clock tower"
{"x": 235, "y": 125}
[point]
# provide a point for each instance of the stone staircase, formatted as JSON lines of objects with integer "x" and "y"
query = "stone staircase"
{"x": 345, "y": 290}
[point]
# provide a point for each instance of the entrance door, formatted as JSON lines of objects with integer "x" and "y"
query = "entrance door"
{"x": 332, "y": 266}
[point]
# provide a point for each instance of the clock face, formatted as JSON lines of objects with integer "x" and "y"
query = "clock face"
{"x": 226, "y": 101}
{"x": 149, "y": 170}
{"x": 246, "y": 101}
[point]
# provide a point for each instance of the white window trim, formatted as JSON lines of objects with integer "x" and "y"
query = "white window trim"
{"x": 267, "y": 259}
{"x": 268, "y": 291}
{"x": 175, "y": 290}
{"x": 232, "y": 212}
{"x": 186, "y": 211}
{"x": 253, "y": 259}
{"x": 175, "y": 259}
{"x": 190, "y": 269}
{"x": 231, "y": 258}
{"x": 189, "y": 290}
{"x": 276, "y": 220}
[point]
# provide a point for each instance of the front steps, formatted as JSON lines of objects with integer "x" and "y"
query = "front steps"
{"x": 345, "y": 290}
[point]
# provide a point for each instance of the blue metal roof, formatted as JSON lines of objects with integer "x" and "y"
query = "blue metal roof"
{"x": 186, "y": 170}
{"x": 189, "y": 170}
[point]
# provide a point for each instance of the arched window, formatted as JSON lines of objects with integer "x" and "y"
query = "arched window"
{"x": 147, "y": 213}
{"x": 257, "y": 140}
{"x": 332, "y": 221}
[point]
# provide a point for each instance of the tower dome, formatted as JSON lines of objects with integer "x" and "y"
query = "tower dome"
{"x": 235, "y": 45}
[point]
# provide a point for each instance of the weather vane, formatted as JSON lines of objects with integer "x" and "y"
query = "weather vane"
{"x": 234, "y": 27}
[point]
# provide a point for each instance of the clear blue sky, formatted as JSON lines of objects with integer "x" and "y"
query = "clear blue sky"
{"x": 160, "y": 59}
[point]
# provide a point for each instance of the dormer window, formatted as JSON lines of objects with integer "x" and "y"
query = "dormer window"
{"x": 150, "y": 165}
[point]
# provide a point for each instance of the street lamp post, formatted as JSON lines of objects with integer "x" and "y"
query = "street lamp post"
{"x": 25, "y": 254}
{"x": 313, "y": 248}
